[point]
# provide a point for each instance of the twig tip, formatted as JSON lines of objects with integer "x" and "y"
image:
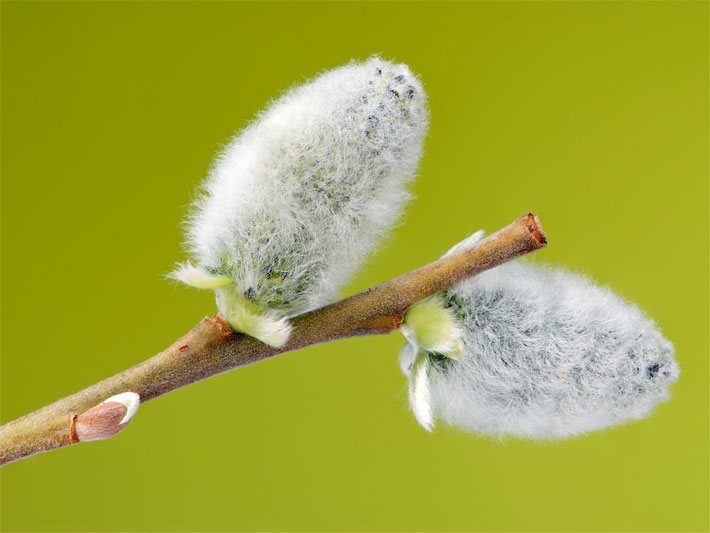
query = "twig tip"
{"x": 532, "y": 222}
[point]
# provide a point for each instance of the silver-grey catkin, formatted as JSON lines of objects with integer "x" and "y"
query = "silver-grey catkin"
{"x": 298, "y": 200}
{"x": 546, "y": 354}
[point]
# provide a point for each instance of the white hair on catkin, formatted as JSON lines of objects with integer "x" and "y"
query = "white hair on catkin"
{"x": 546, "y": 354}
{"x": 300, "y": 198}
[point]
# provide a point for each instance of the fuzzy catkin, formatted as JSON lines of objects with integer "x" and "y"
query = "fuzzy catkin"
{"x": 297, "y": 201}
{"x": 546, "y": 354}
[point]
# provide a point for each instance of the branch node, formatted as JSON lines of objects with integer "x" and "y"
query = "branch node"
{"x": 220, "y": 323}
{"x": 73, "y": 437}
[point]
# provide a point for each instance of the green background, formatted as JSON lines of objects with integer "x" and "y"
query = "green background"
{"x": 593, "y": 115}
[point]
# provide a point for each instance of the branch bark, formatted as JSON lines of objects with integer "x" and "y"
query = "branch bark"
{"x": 211, "y": 347}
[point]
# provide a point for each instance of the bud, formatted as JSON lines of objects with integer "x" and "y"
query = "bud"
{"x": 544, "y": 354}
{"x": 297, "y": 201}
{"x": 106, "y": 419}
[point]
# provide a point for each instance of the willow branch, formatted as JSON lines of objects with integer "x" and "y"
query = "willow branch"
{"x": 211, "y": 347}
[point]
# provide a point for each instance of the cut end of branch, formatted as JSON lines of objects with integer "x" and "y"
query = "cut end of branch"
{"x": 535, "y": 228}
{"x": 104, "y": 420}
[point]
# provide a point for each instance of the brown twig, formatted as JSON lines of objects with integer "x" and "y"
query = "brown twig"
{"x": 211, "y": 347}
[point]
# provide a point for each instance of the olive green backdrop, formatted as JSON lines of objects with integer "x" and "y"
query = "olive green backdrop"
{"x": 594, "y": 115}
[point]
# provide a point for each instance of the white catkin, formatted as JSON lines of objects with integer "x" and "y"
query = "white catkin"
{"x": 297, "y": 201}
{"x": 546, "y": 354}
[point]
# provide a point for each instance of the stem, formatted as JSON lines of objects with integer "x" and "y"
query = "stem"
{"x": 211, "y": 347}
